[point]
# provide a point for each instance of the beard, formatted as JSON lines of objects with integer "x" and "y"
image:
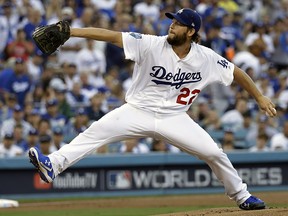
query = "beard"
{"x": 176, "y": 40}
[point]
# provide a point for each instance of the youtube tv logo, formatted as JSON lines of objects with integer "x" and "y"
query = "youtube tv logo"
{"x": 39, "y": 184}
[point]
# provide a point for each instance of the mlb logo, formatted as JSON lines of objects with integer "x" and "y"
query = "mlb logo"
{"x": 119, "y": 179}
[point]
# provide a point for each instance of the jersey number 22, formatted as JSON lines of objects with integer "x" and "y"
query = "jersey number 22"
{"x": 187, "y": 96}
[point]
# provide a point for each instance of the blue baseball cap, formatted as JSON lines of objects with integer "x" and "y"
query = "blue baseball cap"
{"x": 187, "y": 17}
{"x": 52, "y": 102}
{"x": 33, "y": 131}
{"x": 17, "y": 108}
{"x": 45, "y": 138}
{"x": 57, "y": 131}
{"x": 8, "y": 135}
{"x": 81, "y": 111}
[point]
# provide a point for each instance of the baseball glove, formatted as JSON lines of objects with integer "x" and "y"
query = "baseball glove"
{"x": 49, "y": 38}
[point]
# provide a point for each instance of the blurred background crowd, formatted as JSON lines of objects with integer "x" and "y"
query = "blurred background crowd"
{"x": 46, "y": 101}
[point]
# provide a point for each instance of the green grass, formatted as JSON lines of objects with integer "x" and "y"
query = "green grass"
{"x": 107, "y": 211}
{"x": 99, "y": 211}
{"x": 91, "y": 210}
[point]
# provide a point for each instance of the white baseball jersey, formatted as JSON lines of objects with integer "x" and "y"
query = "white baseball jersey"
{"x": 164, "y": 83}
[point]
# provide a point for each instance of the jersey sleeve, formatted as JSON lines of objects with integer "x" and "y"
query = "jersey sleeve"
{"x": 222, "y": 69}
{"x": 135, "y": 45}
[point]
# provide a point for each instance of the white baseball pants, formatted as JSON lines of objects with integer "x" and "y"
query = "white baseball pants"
{"x": 177, "y": 129}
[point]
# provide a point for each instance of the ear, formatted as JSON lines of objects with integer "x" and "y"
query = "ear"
{"x": 190, "y": 32}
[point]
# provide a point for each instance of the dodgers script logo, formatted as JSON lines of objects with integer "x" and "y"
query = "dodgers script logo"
{"x": 167, "y": 78}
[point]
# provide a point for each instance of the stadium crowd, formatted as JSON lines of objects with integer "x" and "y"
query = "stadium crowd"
{"x": 46, "y": 101}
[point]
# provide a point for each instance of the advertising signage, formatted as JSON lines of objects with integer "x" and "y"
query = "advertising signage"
{"x": 138, "y": 178}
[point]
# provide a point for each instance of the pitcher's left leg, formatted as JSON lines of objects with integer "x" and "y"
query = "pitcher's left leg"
{"x": 186, "y": 134}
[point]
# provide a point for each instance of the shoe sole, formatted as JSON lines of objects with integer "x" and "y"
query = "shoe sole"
{"x": 255, "y": 207}
{"x": 33, "y": 155}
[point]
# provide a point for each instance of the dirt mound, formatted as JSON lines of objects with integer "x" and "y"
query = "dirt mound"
{"x": 233, "y": 212}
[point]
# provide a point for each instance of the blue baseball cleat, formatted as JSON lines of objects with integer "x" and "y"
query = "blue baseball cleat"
{"x": 42, "y": 164}
{"x": 252, "y": 203}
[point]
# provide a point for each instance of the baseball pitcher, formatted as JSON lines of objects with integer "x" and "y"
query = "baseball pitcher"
{"x": 169, "y": 73}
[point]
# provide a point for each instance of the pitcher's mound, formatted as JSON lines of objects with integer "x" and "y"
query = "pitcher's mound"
{"x": 233, "y": 212}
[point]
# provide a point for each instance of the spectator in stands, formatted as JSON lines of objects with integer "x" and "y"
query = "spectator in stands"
{"x": 106, "y": 7}
{"x": 261, "y": 144}
{"x": 148, "y": 10}
{"x": 76, "y": 125}
{"x": 273, "y": 73}
{"x": 158, "y": 146}
{"x": 45, "y": 144}
{"x": 248, "y": 125}
{"x": 87, "y": 88}
{"x": 19, "y": 83}
{"x": 63, "y": 106}
{"x": 246, "y": 27}
{"x": 9, "y": 22}
{"x": 280, "y": 56}
{"x": 20, "y": 47}
{"x": 279, "y": 141}
{"x": 262, "y": 126}
{"x": 90, "y": 59}
{"x": 249, "y": 58}
{"x": 32, "y": 140}
{"x": 17, "y": 119}
{"x": 8, "y": 149}
{"x": 282, "y": 78}
{"x": 24, "y": 5}
{"x": 38, "y": 96}
{"x": 19, "y": 139}
{"x": 214, "y": 41}
{"x": 133, "y": 146}
{"x": 234, "y": 118}
{"x": 114, "y": 54}
{"x": 103, "y": 150}
{"x": 34, "y": 19}
{"x": 231, "y": 34}
{"x": 70, "y": 75}
{"x": 33, "y": 118}
{"x": 283, "y": 92}
{"x": 203, "y": 109}
{"x": 228, "y": 142}
{"x": 123, "y": 6}
{"x": 35, "y": 66}
{"x": 76, "y": 98}
{"x": 282, "y": 116}
{"x": 264, "y": 85}
{"x": 53, "y": 11}
{"x": 116, "y": 96}
{"x": 68, "y": 51}
{"x": 55, "y": 118}
{"x": 162, "y": 146}
{"x": 57, "y": 139}
{"x": 162, "y": 24}
{"x": 229, "y": 5}
{"x": 261, "y": 37}
{"x": 44, "y": 127}
{"x": 10, "y": 102}
{"x": 212, "y": 122}
{"x": 94, "y": 110}
{"x": 28, "y": 107}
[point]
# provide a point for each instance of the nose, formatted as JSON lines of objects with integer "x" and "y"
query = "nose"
{"x": 173, "y": 22}
{"x": 172, "y": 25}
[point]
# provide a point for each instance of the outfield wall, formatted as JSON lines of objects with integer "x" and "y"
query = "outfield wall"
{"x": 146, "y": 174}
